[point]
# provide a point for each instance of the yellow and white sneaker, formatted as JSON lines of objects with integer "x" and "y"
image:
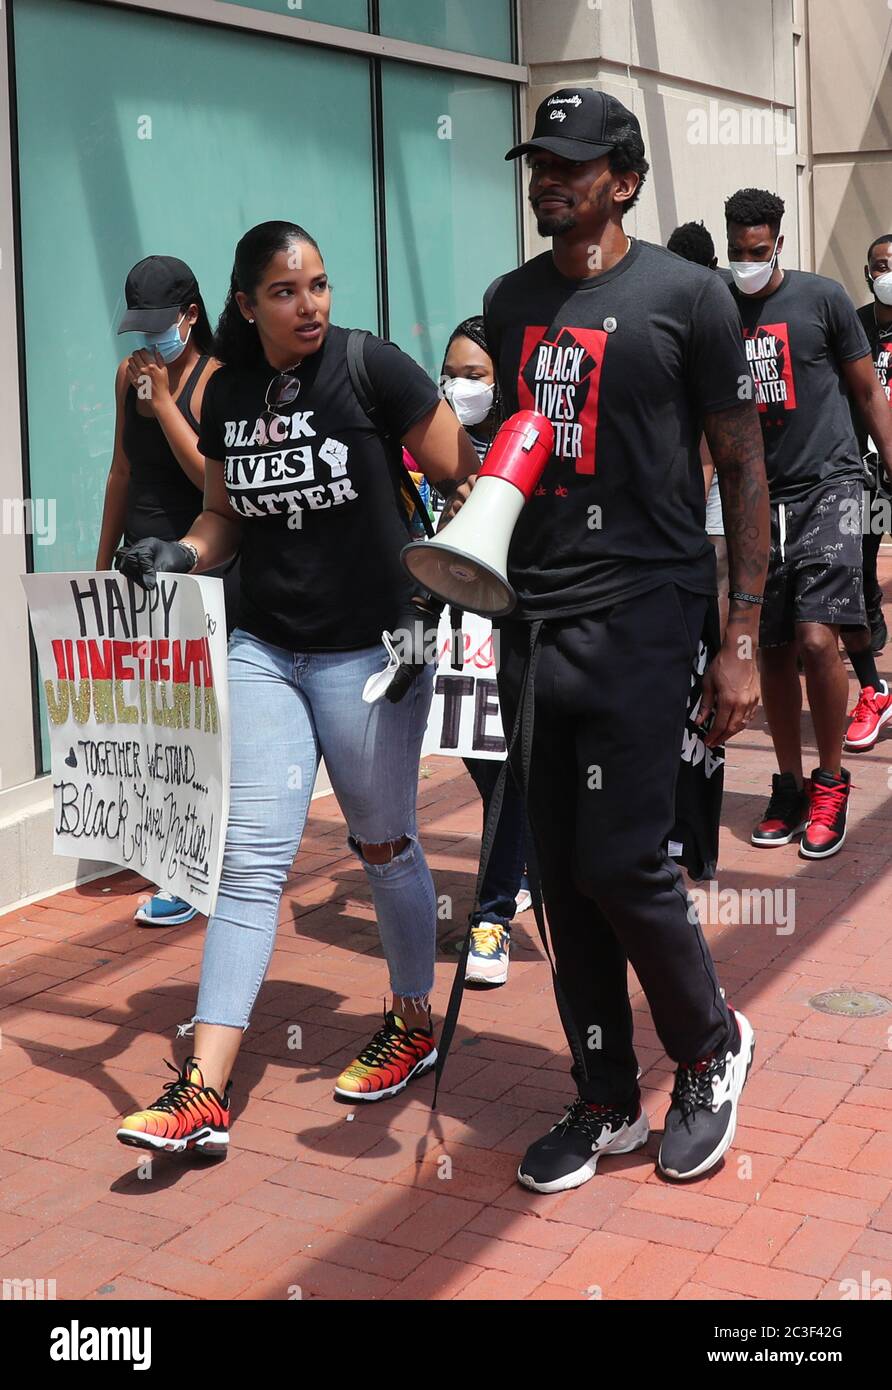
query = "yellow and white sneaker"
{"x": 488, "y": 954}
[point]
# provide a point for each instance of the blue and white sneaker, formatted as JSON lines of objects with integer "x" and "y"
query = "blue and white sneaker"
{"x": 488, "y": 954}
{"x": 165, "y": 910}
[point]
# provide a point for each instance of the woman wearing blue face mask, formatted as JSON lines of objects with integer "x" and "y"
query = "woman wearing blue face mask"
{"x": 156, "y": 481}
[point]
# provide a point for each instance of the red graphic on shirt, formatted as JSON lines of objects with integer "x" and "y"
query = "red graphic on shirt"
{"x": 562, "y": 380}
{"x": 771, "y": 364}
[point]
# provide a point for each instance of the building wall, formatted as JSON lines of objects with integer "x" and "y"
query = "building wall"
{"x": 716, "y": 114}
{"x": 849, "y": 108}
{"x": 27, "y": 865}
{"x": 200, "y": 118}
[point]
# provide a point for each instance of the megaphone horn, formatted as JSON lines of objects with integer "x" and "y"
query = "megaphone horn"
{"x": 466, "y": 563}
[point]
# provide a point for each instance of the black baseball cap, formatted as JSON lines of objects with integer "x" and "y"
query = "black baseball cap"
{"x": 578, "y": 123}
{"x": 155, "y": 291}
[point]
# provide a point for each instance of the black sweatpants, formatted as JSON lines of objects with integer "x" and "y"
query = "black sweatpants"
{"x": 610, "y": 700}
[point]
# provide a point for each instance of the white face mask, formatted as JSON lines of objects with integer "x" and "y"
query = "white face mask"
{"x": 752, "y": 276}
{"x": 471, "y": 400}
{"x": 882, "y": 287}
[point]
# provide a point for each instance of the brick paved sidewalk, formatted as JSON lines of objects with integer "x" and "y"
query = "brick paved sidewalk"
{"x": 393, "y": 1201}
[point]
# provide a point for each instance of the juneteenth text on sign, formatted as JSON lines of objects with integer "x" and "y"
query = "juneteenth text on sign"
{"x": 171, "y": 682}
{"x": 119, "y": 677}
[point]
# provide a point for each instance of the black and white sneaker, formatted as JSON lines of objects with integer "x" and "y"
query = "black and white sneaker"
{"x": 702, "y": 1118}
{"x": 567, "y": 1156}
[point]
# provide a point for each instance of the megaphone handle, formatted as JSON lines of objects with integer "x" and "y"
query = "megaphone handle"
{"x": 523, "y": 725}
{"x": 453, "y": 1008}
{"x": 456, "y": 619}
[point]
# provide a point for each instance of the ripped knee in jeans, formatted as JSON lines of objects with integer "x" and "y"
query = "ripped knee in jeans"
{"x": 380, "y": 853}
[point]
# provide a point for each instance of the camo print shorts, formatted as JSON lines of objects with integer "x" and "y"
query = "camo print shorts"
{"x": 814, "y": 566}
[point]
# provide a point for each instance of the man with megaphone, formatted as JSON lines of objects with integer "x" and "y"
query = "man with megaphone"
{"x": 630, "y": 354}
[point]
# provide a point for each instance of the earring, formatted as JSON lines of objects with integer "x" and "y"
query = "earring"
{"x": 250, "y": 320}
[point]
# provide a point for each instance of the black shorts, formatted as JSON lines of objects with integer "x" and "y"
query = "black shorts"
{"x": 814, "y": 566}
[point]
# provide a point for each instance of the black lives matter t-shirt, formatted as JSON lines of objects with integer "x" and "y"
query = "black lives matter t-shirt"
{"x": 625, "y": 365}
{"x": 323, "y": 530}
{"x": 880, "y": 339}
{"x": 796, "y": 341}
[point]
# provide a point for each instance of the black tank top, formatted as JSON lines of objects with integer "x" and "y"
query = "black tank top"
{"x": 161, "y": 500}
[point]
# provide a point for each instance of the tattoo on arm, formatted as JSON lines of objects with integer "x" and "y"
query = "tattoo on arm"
{"x": 735, "y": 442}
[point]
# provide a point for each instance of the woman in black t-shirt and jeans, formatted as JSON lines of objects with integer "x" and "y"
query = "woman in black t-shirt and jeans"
{"x": 298, "y": 479}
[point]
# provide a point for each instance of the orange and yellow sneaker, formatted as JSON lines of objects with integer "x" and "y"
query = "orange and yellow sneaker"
{"x": 395, "y": 1055}
{"x": 189, "y": 1115}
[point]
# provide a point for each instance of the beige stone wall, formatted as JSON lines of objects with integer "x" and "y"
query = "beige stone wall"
{"x": 849, "y": 101}
{"x": 712, "y": 82}
{"x": 791, "y": 95}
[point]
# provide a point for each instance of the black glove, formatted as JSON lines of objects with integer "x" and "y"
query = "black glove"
{"x": 141, "y": 562}
{"x": 415, "y": 641}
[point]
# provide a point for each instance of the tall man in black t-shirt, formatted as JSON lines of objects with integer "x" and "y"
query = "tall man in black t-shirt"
{"x": 631, "y": 352}
{"x": 874, "y": 707}
{"x": 807, "y": 350}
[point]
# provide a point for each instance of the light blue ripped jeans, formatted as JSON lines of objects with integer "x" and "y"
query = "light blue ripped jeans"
{"x": 287, "y": 709}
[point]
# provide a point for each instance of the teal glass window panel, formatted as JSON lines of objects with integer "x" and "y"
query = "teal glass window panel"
{"x": 184, "y": 137}
{"x": 348, "y": 14}
{"x": 482, "y": 27}
{"x": 450, "y": 199}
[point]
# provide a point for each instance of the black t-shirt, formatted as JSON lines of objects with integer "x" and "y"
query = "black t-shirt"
{"x": 880, "y": 339}
{"x": 625, "y": 366}
{"x": 322, "y": 533}
{"x": 796, "y": 342}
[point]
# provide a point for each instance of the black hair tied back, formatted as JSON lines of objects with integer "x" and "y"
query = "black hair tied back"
{"x": 237, "y": 342}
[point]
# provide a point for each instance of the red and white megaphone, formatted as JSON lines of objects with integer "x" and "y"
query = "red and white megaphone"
{"x": 466, "y": 562}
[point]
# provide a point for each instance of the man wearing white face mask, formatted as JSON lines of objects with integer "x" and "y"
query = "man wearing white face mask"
{"x": 807, "y": 352}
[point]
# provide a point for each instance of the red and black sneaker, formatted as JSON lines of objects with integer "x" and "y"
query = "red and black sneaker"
{"x": 873, "y": 710}
{"x": 189, "y": 1115}
{"x": 827, "y": 821}
{"x": 786, "y": 814}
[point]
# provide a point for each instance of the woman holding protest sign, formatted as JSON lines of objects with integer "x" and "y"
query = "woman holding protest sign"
{"x": 469, "y": 385}
{"x": 156, "y": 481}
{"x": 302, "y": 478}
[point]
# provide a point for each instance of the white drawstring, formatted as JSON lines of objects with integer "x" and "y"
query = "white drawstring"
{"x": 782, "y": 518}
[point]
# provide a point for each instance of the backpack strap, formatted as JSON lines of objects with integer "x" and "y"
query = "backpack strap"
{"x": 364, "y": 392}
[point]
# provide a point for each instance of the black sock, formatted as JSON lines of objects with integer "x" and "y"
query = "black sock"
{"x": 864, "y": 664}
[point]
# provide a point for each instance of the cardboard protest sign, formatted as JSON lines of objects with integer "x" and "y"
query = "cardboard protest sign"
{"x": 137, "y": 702}
{"x": 465, "y": 720}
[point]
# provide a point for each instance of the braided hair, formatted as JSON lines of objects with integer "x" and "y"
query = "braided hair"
{"x": 473, "y": 328}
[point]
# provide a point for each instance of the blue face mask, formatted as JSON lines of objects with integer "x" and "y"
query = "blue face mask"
{"x": 169, "y": 343}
